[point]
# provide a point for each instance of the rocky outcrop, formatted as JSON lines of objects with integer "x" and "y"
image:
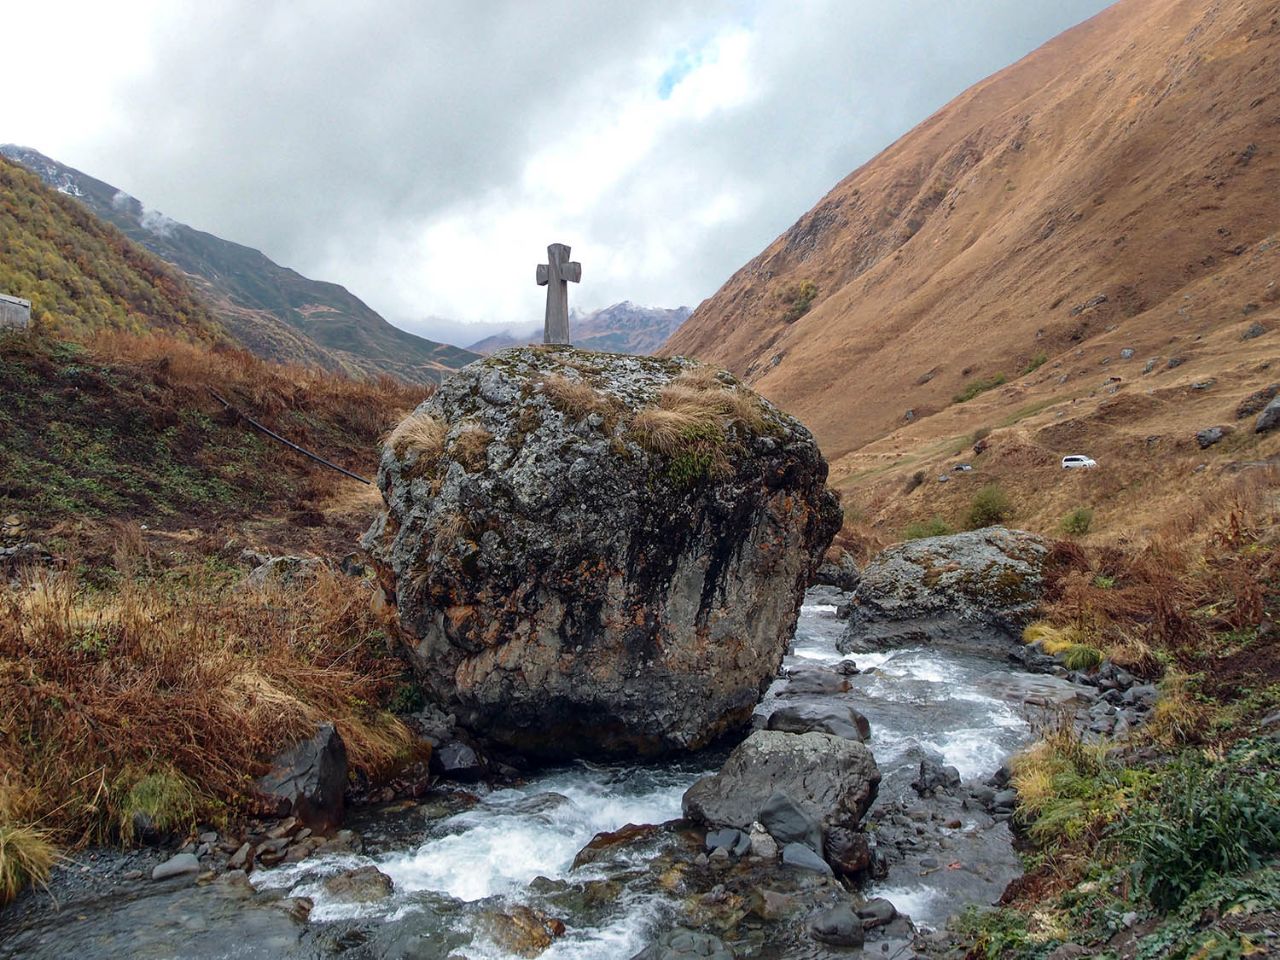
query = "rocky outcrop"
{"x": 596, "y": 555}
{"x": 1269, "y": 418}
{"x": 973, "y": 590}
{"x": 798, "y": 786}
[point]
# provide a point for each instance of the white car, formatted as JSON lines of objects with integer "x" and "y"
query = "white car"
{"x": 1078, "y": 461}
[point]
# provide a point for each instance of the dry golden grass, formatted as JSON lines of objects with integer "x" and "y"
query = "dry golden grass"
{"x": 171, "y": 697}
{"x": 265, "y": 389}
{"x": 421, "y": 434}
{"x": 26, "y": 857}
{"x": 470, "y": 447}
{"x": 665, "y": 431}
{"x": 577, "y": 399}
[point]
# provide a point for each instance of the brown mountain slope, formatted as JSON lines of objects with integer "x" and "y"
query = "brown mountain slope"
{"x": 1134, "y": 158}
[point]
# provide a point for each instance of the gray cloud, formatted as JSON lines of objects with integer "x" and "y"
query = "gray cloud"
{"x": 388, "y": 145}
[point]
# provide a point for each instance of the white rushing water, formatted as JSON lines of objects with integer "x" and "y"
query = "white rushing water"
{"x": 917, "y": 700}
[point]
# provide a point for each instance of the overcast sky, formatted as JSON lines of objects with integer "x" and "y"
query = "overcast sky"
{"x": 423, "y": 154}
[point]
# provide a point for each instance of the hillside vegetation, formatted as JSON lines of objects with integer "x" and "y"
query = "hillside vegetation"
{"x": 274, "y": 311}
{"x": 81, "y": 274}
{"x": 1079, "y": 254}
{"x": 138, "y": 670}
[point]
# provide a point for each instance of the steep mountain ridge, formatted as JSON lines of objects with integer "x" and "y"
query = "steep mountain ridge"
{"x": 275, "y": 311}
{"x": 620, "y": 328}
{"x": 82, "y": 275}
{"x": 1097, "y": 185}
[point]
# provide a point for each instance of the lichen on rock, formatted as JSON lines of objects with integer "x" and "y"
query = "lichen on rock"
{"x": 596, "y": 554}
{"x": 973, "y": 590}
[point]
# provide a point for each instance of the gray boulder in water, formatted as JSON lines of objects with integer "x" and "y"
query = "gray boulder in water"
{"x": 829, "y": 780}
{"x": 685, "y": 945}
{"x": 974, "y": 590}
{"x": 599, "y": 555}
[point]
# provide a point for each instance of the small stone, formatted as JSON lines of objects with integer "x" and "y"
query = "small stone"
{"x": 1126, "y": 353}
{"x": 283, "y": 829}
{"x": 1253, "y": 331}
{"x": 361, "y": 885}
{"x": 1175, "y": 362}
{"x": 210, "y": 837}
{"x": 787, "y": 823}
{"x": 131, "y": 875}
{"x": 771, "y": 905}
{"x": 763, "y": 845}
{"x": 877, "y": 912}
{"x": 719, "y": 858}
{"x": 299, "y": 908}
{"x": 838, "y": 926}
{"x": 176, "y": 866}
{"x": 1269, "y": 418}
{"x": 1210, "y": 435}
{"x": 802, "y": 858}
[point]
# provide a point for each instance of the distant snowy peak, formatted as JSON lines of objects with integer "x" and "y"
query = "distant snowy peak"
{"x": 621, "y": 328}
{"x": 54, "y": 174}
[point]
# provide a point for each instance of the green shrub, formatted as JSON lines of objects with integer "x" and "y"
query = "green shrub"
{"x": 990, "y": 506}
{"x": 935, "y": 526}
{"x": 916, "y": 479}
{"x": 799, "y": 298}
{"x": 975, "y": 387}
{"x": 1205, "y": 820}
{"x": 1081, "y": 656}
{"x": 162, "y": 797}
{"x": 1035, "y": 364}
{"x": 1077, "y": 522}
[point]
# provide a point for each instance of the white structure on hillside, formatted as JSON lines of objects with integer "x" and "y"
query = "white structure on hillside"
{"x": 14, "y": 312}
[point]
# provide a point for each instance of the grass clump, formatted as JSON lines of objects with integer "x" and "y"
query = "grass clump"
{"x": 419, "y": 433}
{"x": 1068, "y": 789}
{"x": 691, "y": 423}
{"x": 160, "y": 798}
{"x": 975, "y": 387}
{"x": 935, "y": 526}
{"x": 1077, "y": 522}
{"x": 1035, "y": 363}
{"x": 990, "y": 506}
{"x": 26, "y": 857}
{"x": 470, "y": 447}
{"x": 577, "y": 399}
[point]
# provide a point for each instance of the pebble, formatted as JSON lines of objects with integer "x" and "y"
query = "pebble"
{"x": 176, "y": 866}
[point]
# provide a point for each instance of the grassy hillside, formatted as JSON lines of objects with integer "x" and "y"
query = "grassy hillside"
{"x": 138, "y": 671}
{"x": 273, "y": 310}
{"x": 81, "y": 274}
{"x": 1070, "y": 254}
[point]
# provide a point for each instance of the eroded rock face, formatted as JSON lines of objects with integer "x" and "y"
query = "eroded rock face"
{"x": 599, "y": 555}
{"x": 972, "y": 590}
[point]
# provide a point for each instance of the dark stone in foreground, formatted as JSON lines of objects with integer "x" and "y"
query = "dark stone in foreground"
{"x": 831, "y": 781}
{"x": 685, "y": 945}
{"x": 839, "y": 926}
{"x": 836, "y": 719}
{"x": 307, "y": 781}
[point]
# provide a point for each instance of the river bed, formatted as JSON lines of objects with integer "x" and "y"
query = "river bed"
{"x": 462, "y": 857}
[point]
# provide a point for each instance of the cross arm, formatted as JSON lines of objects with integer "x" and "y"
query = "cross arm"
{"x": 571, "y": 271}
{"x": 542, "y": 274}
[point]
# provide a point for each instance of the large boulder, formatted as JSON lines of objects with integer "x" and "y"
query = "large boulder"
{"x": 829, "y": 781}
{"x": 974, "y": 590}
{"x": 598, "y": 555}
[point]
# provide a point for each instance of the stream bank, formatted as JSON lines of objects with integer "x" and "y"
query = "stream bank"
{"x": 490, "y": 874}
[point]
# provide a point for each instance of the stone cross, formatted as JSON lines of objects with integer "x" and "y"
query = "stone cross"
{"x": 555, "y": 275}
